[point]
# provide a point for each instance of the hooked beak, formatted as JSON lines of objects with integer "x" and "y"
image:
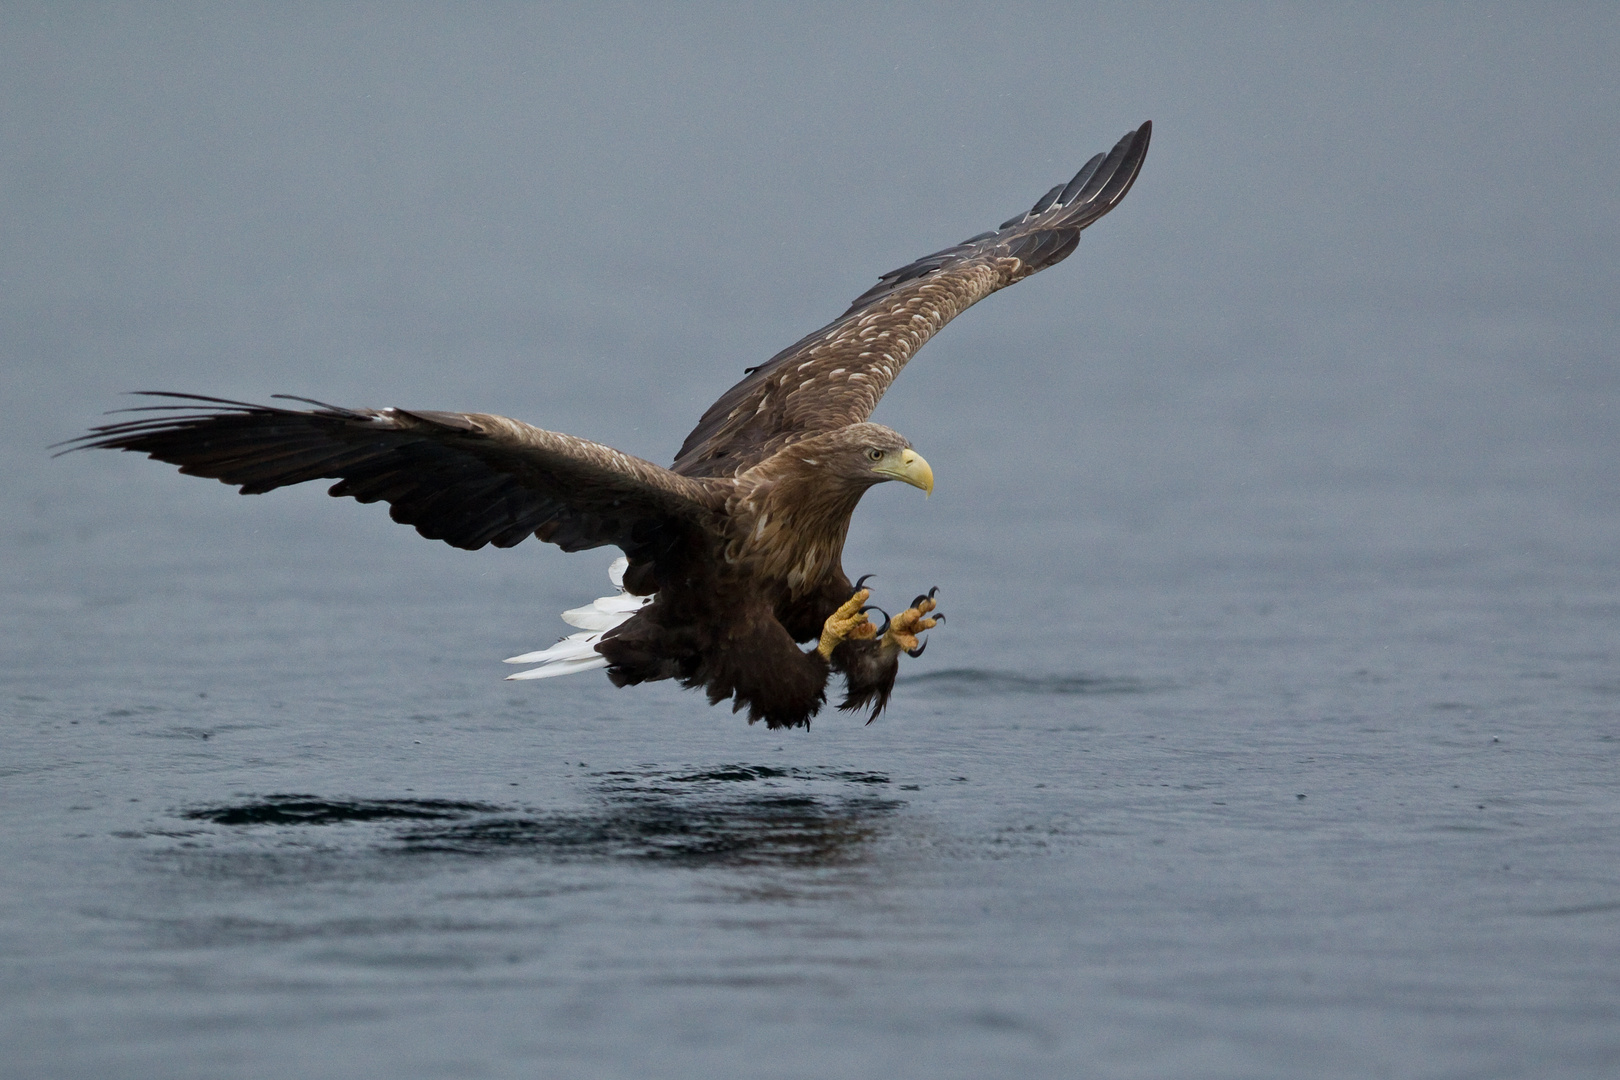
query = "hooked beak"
{"x": 908, "y": 465}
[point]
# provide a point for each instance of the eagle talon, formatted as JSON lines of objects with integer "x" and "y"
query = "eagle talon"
{"x": 849, "y": 621}
{"x": 902, "y": 630}
{"x": 864, "y": 630}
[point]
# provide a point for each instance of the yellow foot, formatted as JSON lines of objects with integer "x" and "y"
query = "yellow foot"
{"x": 904, "y": 627}
{"x": 849, "y": 621}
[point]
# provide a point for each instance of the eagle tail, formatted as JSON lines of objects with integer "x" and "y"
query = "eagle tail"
{"x": 577, "y": 652}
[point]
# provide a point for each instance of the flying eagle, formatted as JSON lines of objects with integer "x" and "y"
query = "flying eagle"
{"x": 735, "y": 551}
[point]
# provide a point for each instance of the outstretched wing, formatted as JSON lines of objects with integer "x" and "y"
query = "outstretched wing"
{"x": 468, "y": 479}
{"x": 835, "y": 376}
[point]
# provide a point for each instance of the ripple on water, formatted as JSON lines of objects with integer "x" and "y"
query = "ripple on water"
{"x": 314, "y": 810}
{"x": 734, "y": 814}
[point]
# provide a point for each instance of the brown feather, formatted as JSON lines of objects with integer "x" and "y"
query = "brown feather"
{"x": 468, "y": 479}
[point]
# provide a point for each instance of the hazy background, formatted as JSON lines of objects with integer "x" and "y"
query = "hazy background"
{"x": 1331, "y": 396}
{"x": 1376, "y": 249}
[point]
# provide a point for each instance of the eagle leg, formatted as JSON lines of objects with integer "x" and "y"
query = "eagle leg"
{"x": 849, "y": 622}
{"x": 870, "y": 663}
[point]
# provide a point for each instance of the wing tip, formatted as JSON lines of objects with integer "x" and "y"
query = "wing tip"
{"x": 1095, "y": 189}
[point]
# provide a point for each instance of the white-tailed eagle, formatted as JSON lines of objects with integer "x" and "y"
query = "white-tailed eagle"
{"x": 734, "y": 552}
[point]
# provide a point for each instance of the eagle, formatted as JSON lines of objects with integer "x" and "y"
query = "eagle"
{"x": 732, "y": 556}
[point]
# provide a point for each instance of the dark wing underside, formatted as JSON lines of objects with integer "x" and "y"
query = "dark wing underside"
{"x": 835, "y": 376}
{"x": 468, "y": 479}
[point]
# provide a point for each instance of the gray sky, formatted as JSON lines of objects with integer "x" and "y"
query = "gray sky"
{"x": 1371, "y": 243}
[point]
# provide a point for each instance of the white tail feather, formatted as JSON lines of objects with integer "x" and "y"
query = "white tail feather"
{"x": 577, "y": 652}
{"x": 564, "y": 667}
{"x": 605, "y": 613}
{"x": 572, "y": 647}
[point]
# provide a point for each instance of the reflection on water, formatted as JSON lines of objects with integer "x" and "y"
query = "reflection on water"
{"x": 729, "y": 815}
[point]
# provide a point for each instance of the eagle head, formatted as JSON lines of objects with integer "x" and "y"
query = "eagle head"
{"x": 862, "y": 455}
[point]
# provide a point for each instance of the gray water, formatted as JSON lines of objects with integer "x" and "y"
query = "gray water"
{"x": 1274, "y": 729}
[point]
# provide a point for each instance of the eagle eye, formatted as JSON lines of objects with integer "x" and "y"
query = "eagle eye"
{"x": 874, "y": 453}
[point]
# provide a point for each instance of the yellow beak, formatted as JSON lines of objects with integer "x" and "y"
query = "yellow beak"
{"x": 909, "y": 466}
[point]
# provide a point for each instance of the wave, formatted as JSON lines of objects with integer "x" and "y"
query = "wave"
{"x": 985, "y": 683}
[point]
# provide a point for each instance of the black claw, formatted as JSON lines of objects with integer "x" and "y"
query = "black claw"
{"x": 884, "y": 629}
{"x": 938, "y": 617}
{"x": 920, "y": 598}
{"x": 932, "y": 591}
{"x": 861, "y": 584}
{"x": 918, "y": 651}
